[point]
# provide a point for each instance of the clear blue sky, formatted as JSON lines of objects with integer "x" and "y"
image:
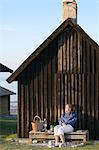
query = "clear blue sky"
{"x": 25, "y": 24}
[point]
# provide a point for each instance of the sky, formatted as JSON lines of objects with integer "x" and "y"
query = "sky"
{"x": 25, "y": 24}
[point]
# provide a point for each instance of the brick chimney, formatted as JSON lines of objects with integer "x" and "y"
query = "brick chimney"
{"x": 69, "y": 10}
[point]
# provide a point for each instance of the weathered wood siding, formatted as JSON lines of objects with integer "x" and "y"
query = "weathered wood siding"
{"x": 67, "y": 71}
{"x": 4, "y": 105}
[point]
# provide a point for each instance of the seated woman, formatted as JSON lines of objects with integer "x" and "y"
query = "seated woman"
{"x": 66, "y": 125}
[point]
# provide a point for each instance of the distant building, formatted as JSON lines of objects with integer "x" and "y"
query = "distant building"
{"x": 5, "y": 101}
{"x": 3, "y": 68}
{"x": 5, "y": 94}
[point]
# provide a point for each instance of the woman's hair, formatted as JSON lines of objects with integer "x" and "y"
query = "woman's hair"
{"x": 71, "y": 107}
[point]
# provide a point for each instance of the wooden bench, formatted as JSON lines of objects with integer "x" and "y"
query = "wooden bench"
{"x": 78, "y": 135}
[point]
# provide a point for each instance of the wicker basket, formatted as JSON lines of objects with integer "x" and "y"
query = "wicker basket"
{"x": 37, "y": 124}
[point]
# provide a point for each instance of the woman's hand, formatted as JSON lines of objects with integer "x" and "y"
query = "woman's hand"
{"x": 63, "y": 124}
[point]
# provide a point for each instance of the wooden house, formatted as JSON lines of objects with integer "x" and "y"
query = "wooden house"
{"x": 63, "y": 69}
{"x": 5, "y": 101}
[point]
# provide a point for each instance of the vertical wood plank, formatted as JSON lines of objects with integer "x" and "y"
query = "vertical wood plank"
{"x": 81, "y": 56}
{"x": 75, "y": 52}
{"x": 45, "y": 91}
{"x": 68, "y": 52}
{"x": 92, "y": 103}
{"x": 79, "y": 53}
{"x": 62, "y": 96}
{"x": 66, "y": 44}
{"x": 42, "y": 93}
{"x": 58, "y": 94}
{"x": 83, "y": 100}
{"x": 53, "y": 87}
{"x": 39, "y": 89}
{"x": 84, "y": 55}
{"x": 63, "y": 93}
{"x": 64, "y": 53}
{"x": 22, "y": 111}
{"x": 96, "y": 62}
{"x": 69, "y": 89}
{"x": 72, "y": 89}
{"x": 76, "y": 90}
{"x": 34, "y": 95}
{"x": 28, "y": 110}
{"x": 25, "y": 108}
{"x": 79, "y": 102}
{"x": 55, "y": 100}
{"x": 49, "y": 89}
{"x": 88, "y": 59}
{"x": 37, "y": 97}
{"x": 31, "y": 90}
{"x": 66, "y": 89}
{"x": 88, "y": 101}
{"x": 60, "y": 54}
{"x": 19, "y": 110}
{"x": 71, "y": 52}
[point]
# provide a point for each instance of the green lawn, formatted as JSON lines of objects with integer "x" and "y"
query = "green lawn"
{"x": 8, "y": 125}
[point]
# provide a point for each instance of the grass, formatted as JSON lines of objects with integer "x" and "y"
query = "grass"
{"x": 8, "y": 125}
{"x": 13, "y": 146}
{"x": 8, "y": 130}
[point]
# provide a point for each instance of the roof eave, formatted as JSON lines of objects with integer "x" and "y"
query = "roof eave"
{"x": 3, "y": 68}
{"x": 8, "y": 94}
{"x": 78, "y": 28}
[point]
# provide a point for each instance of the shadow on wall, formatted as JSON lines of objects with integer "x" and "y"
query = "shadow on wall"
{"x": 87, "y": 121}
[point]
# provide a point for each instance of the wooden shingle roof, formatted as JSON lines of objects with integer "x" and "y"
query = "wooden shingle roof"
{"x": 14, "y": 75}
{"x": 5, "y": 92}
